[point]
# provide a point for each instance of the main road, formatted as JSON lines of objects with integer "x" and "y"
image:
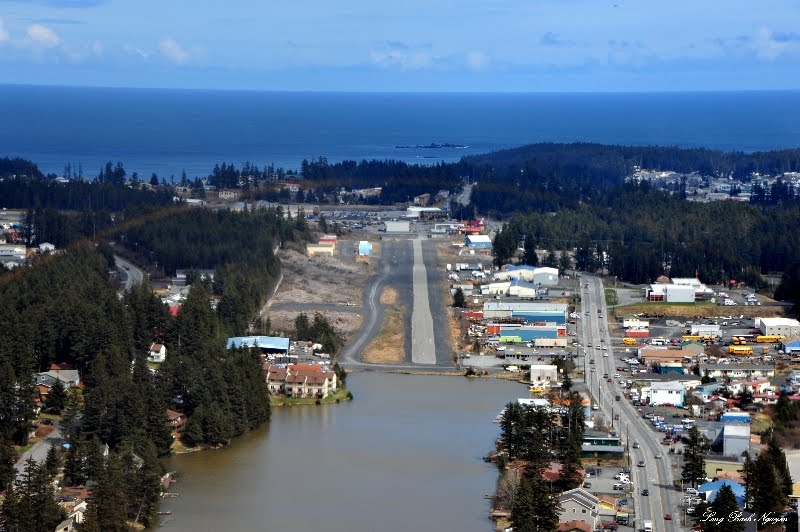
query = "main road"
{"x": 130, "y": 272}
{"x": 657, "y": 475}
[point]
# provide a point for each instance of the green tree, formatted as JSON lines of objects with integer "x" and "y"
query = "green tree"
{"x": 536, "y": 508}
{"x": 529, "y": 256}
{"x": 31, "y": 506}
{"x": 108, "y": 504}
{"x": 53, "y": 462}
{"x": 56, "y": 400}
{"x": 550, "y": 260}
{"x": 564, "y": 262}
{"x": 459, "y": 301}
{"x": 723, "y": 506}
{"x": 694, "y": 462}
{"x": 302, "y": 327}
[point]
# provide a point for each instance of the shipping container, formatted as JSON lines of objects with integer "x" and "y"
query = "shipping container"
{"x": 637, "y": 333}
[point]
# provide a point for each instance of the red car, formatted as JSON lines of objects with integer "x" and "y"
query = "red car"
{"x": 667, "y": 517}
{"x": 609, "y": 380}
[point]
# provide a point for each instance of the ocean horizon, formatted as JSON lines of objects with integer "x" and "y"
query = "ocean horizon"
{"x": 168, "y": 131}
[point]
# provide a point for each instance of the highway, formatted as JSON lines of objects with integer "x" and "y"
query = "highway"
{"x": 130, "y": 273}
{"x": 657, "y": 475}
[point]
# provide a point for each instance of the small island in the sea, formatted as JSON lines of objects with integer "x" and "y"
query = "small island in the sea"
{"x": 432, "y": 146}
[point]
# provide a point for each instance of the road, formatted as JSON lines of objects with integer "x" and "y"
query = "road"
{"x": 657, "y": 475}
{"x": 130, "y": 273}
{"x": 38, "y": 450}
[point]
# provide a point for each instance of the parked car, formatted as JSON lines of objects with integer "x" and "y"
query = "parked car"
{"x": 645, "y": 492}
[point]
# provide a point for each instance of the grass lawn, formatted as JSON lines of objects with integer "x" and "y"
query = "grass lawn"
{"x": 338, "y": 395}
{"x": 611, "y": 297}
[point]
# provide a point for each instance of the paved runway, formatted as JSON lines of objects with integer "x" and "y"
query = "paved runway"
{"x": 423, "y": 350}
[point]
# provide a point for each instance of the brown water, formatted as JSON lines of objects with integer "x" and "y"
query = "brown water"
{"x": 406, "y": 455}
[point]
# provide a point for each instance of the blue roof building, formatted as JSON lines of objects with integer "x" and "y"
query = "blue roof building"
{"x": 712, "y": 488}
{"x": 268, "y": 344}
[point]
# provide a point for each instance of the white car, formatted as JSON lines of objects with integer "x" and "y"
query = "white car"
{"x": 616, "y": 375}
{"x": 605, "y": 354}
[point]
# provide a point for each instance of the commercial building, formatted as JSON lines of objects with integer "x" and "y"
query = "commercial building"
{"x": 398, "y": 227}
{"x": 670, "y": 293}
{"x": 426, "y": 213}
{"x": 300, "y": 380}
{"x": 478, "y": 242}
{"x": 267, "y": 344}
{"x": 666, "y": 393}
{"x": 737, "y": 371}
{"x": 529, "y": 312}
{"x": 528, "y": 274}
{"x": 778, "y": 326}
{"x": 546, "y": 373}
{"x": 527, "y": 333}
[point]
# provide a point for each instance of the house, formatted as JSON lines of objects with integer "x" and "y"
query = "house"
{"x": 478, "y": 242}
{"x": 158, "y": 353}
{"x": 666, "y": 393}
{"x": 579, "y": 505}
{"x": 423, "y": 200}
{"x": 177, "y": 420}
{"x": 46, "y": 247}
{"x": 232, "y": 195}
{"x": 574, "y": 526}
{"x": 70, "y": 378}
{"x": 737, "y": 371}
{"x": 301, "y": 380}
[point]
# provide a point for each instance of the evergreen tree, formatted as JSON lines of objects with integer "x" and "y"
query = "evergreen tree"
{"x": 564, "y": 262}
{"x": 723, "y": 506}
{"x": 302, "y": 327}
{"x": 550, "y": 260}
{"x": 109, "y": 501}
{"x": 529, "y": 251}
{"x": 536, "y": 508}
{"x": 32, "y": 506}
{"x": 56, "y": 400}
{"x": 7, "y": 459}
{"x": 694, "y": 462}
{"x": 459, "y": 301}
{"x": 53, "y": 462}
{"x": 777, "y": 457}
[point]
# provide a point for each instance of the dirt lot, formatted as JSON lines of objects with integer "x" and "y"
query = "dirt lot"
{"x": 389, "y": 346}
{"x": 695, "y": 310}
{"x": 327, "y": 280}
{"x": 347, "y": 323}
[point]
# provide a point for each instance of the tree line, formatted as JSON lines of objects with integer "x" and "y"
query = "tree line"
{"x": 537, "y": 437}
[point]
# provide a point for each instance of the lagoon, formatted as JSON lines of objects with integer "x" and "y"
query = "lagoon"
{"x": 406, "y": 454}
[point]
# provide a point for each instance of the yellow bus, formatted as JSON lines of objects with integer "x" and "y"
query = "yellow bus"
{"x": 740, "y": 350}
{"x": 690, "y": 338}
{"x": 773, "y": 339}
{"x": 629, "y": 341}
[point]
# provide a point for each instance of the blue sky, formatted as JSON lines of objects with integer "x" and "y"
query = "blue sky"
{"x": 404, "y": 45}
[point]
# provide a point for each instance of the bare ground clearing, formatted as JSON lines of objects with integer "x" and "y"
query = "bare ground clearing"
{"x": 327, "y": 280}
{"x": 389, "y": 346}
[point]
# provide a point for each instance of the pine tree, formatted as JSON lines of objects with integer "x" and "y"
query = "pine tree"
{"x": 778, "y": 459}
{"x": 53, "y": 462}
{"x": 694, "y": 462}
{"x": 7, "y": 470}
{"x": 459, "y": 301}
{"x": 109, "y": 501}
{"x": 724, "y": 505}
{"x": 57, "y": 398}
{"x": 536, "y": 508}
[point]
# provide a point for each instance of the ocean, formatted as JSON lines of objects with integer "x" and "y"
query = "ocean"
{"x": 170, "y": 131}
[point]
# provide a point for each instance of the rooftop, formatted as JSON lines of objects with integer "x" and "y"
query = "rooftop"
{"x": 773, "y": 322}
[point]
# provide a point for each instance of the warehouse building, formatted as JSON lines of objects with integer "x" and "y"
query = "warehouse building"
{"x": 528, "y": 274}
{"x": 478, "y": 242}
{"x": 543, "y": 373}
{"x": 700, "y": 329}
{"x": 735, "y": 439}
{"x": 495, "y": 289}
{"x": 778, "y": 326}
{"x": 670, "y": 293}
{"x": 398, "y": 227}
{"x": 666, "y": 393}
{"x": 529, "y": 312}
{"x": 527, "y": 333}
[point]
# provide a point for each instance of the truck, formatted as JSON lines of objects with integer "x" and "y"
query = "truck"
{"x": 648, "y": 526}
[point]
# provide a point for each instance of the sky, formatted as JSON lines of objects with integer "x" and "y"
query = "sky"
{"x": 404, "y": 45}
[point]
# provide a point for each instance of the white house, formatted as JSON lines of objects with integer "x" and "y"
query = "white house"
{"x": 158, "y": 353}
{"x": 46, "y": 247}
{"x": 579, "y": 505}
{"x": 543, "y": 373}
{"x": 666, "y": 393}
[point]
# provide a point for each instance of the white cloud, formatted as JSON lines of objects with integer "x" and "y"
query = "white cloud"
{"x": 133, "y": 50}
{"x": 769, "y": 45}
{"x": 173, "y": 51}
{"x": 477, "y": 61}
{"x": 4, "y": 36}
{"x": 402, "y": 57}
{"x": 41, "y": 36}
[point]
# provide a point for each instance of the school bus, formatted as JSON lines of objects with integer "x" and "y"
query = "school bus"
{"x": 690, "y": 338}
{"x": 629, "y": 341}
{"x": 773, "y": 339}
{"x": 740, "y": 350}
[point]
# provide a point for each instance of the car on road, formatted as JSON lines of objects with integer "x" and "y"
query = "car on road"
{"x": 635, "y": 444}
{"x": 595, "y": 407}
{"x": 645, "y": 492}
{"x": 641, "y": 463}
{"x": 587, "y": 485}
{"x": 658, "y": 456}
{"x": 591, "y": 361}
{"x": 616, "y": 375}
{"x": 605, "y": 354}
{"x": 608, "y": 380}
{"x": 605, "y": 375}
{"x": 667, "y": 517}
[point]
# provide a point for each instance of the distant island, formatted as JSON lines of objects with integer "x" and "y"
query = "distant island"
{"x": 432, "y": 146}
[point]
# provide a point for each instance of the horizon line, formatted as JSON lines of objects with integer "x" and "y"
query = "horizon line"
{"x": 420, "y": 92}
